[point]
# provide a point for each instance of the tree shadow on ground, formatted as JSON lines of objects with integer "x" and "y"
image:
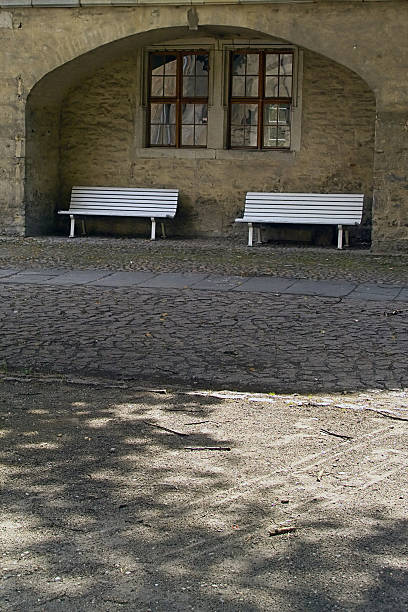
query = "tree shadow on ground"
{"x": 107, "y": 508}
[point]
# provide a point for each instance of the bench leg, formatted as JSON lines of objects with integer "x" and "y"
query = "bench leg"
{"x": 72, "y": 226}
{"x": 83, "y": 227}
{"x": 163, "y": 230}
{"x": 259, "y": 241}
{"x": 340, "y": 237}
{"x": 153, "y": 234}
{"x": 250, "y": 234}
{"x": 346, "y": 238}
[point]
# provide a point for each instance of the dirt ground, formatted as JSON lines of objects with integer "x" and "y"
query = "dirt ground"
{"x": 121, "y": 498}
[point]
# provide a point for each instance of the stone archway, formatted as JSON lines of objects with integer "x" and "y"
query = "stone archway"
{"x": 84, "y": 123}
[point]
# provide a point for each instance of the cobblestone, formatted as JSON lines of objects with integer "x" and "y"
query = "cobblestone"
{"x": 275, "y": 343}
{"x": 216, "y": 256}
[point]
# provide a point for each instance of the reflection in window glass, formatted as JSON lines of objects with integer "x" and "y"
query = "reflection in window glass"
{"x": 271, "y": 87}
{"x": 244, "y": 114}
{"x": 285, "y": 62}
{"x": 238, "y": 64}
{"x": 162, "y": 124}
{"x": 194, "y": 125}
{"x": 178, "y": 99}
{"x": 276, "y": 126}
{"x": 272, "y": 63}
{"x": 261, "y": 84}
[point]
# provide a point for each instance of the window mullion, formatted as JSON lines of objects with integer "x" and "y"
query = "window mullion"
{"x": 261, "y": 93}
{"x": 179, "y": 92}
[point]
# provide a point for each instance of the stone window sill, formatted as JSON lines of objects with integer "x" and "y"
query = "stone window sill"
{"x": 225, "y": 154}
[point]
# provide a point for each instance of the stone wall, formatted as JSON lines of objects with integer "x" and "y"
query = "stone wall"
{"x": 47, "y": 53}
{"x": 99, "y": 127}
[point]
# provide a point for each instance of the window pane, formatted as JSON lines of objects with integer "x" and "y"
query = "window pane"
{"x": 244, "y": 114}
{"x": 195, "y": 87}
{"x": 155, "y": 135}
{"x": 286, "y": 64}
{"x": 238, "y": 64}
{"x": 201, "y": 87}
{"x": 202, "y": 65}
{"x": 170, "y": 65}
{"x": 188, "y": 87}
{"x": 169, "y": 135}
{"x": 283, "y": 136}
{"x": 270, "y": 136}
{"x": 187, "y": 135}
{"x": 284, "y": 114}
{"x": 251, "y": 137}
{"x": 169, "y": 86}
{"x": 238, "y": 86}
{"x": 200, "y": 136}
{"x": 270, "y": 113}
{"x": 162, "y": 135}
{"x": 251, "y": 88}
{"x": 163, "y": 113}
{"x": 252, "y": 63}
{"x": 157, "y": 86}
{"x": 271, "y": 87}
{"x": 237, "y": 136}
{"x": 187, "y": 114}
{"x": 189, "y": 65}
{"x": 285, "y": 87}
{"x": 201, "y": 114}
{"x": 195, "y": 76}
{"x": 272, "y": 63}
{"x": 157, "y": 64}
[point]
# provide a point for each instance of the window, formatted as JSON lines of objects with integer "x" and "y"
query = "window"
{"x": 260, "y": 101}
{"x": 178, "y": 99}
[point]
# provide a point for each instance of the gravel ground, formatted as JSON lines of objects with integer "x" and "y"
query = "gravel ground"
{"x": 224, "y": 256}
{"x": 107, "y": 507}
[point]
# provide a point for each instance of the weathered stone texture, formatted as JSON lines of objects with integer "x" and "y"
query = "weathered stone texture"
{"x": 98, "y": 127}
{"x": 390, "y": 231}
{"x": 46, "y": 54}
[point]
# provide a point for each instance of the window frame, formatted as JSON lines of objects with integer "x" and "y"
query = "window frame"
{"x": 178, "y": 100}
{"x": 261, "y": 100}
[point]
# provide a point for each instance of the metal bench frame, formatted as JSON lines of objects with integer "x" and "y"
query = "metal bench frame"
{"x": 122, "y": 202}
{"x": 302, "y": 208}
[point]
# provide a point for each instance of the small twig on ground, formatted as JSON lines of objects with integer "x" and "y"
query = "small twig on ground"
{"x": 210, "y": 448}
{"x": 49, "y": 600}
{"x": 390, "y": 416}
{"x": 282, "y": 530}
{"x": 177, "y": 433}
{"x": 336, "y": 435}
{"x": 320, "y": 476}
{"x": 197, "y": 423}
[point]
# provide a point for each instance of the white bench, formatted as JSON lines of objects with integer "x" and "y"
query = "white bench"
{"x": 304, "y": 208}
{"x": 122, "y": 202}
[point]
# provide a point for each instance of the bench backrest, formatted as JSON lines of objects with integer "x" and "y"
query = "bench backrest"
{"x": 124, "y": 201}
{"x": 327, "y": 208}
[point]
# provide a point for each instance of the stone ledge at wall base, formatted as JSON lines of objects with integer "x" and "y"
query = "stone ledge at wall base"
{"x": 91, "y": 3}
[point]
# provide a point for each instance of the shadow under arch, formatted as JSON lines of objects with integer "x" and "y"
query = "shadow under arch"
{"x": 44, "y": 103}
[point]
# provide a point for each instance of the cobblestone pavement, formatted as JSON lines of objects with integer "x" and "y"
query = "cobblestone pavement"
{"x": 211, "y": 338}
{"x": 215, "y": 256}
{"x": 210, "y": 335}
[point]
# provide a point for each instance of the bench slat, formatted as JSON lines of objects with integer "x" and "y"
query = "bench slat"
{"x": 116, "y": 213}
{"x": 302, "y": 220}
{"x": 122, "y": 202}
{"x": 302, "y": 208}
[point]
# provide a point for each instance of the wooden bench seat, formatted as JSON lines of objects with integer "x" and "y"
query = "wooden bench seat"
{"x": 122, "y": 202}
{"x": 302, "y": 208}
